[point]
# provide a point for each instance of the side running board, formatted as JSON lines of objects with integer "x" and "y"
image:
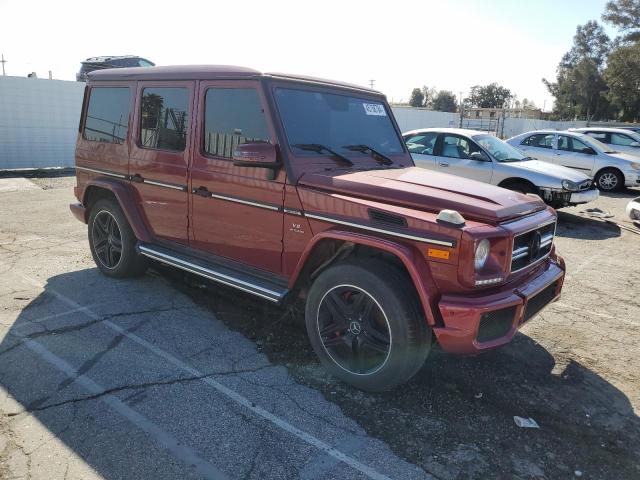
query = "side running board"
{"x": 262, "y": 288}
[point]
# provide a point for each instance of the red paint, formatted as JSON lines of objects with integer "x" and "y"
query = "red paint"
{"x": 281, "y": 241}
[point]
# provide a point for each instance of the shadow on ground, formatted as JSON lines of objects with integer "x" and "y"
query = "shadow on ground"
{"x": 574, "y": 225}
{"x": 454, "y": 419}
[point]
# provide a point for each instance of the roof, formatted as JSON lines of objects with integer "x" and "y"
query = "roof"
{"x": 459, "y": 131}
{"x": 602, "y": 129}
{"x": 208, "y": 72}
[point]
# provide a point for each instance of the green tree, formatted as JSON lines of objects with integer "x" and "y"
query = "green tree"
{"x": 625, "y": 16}
{"x": 623, "y": 78}
{"x": 429, "y": 95}
{"x": 580, "y": 89}
{"x": 444, "y": 101}
{"x": 488, "y": 96}
{"x": 417, "y": 98}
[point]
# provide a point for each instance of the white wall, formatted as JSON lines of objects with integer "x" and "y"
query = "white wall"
{"x": 38, "y": 122}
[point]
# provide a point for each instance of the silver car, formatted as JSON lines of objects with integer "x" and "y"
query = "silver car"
{"x": 483, "y": 157}
{"x": 611, "y": 170}
{"x": 619, "y": 139}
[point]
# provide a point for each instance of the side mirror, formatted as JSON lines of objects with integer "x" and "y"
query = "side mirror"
{"x": 588, "y": 151}
{"x": 477, "y": 156}
{"x": 258, "y": 154}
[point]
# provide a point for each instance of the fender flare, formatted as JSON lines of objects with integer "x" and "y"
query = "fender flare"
{"x": 125, "y": 199}
{"x": 415, "y": 263}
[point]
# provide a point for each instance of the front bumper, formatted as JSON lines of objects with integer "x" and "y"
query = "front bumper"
{"x": 584, "y": 197}
{"x": 631, "y": 178}
{"x": 79, "y": 211}
{"x": 473, "y": 324}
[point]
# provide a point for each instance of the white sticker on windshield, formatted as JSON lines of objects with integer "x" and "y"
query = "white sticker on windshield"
{"x": 374, "y": 109}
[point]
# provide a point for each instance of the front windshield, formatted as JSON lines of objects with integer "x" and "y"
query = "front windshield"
{"x": 335, "y": 122}
{"x": 501, "y": 151}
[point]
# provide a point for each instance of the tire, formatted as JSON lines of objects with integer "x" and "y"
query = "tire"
{"x": 609, "y": 180}
{"x": 112, "y": 242}
{"x": 365, "y": 324}
{"x": 521, "y": 187}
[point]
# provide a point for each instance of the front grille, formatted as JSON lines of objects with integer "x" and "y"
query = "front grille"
{"x": 541, "y": 300}
{"x": 531, "y": 246}
{"x": 380, "y": 217}
{"x": 495, "y": 324}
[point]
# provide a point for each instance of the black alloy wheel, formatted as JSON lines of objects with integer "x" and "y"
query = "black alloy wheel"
{"x": 354, "y": 330}
{"x": 107, "y": 239}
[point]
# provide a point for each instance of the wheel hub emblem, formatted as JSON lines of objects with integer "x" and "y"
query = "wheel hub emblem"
{"x": 355, "y": 328}
{"x": 534, "y": 245}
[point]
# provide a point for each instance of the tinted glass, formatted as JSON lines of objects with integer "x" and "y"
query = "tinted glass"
{"x": 107, "y": 115}
{"x": 164, "y": 118}
{"x": 457, "y": 147}
{"x": 335, "y": 121}
{"x": 422, "y": 143}
{"x": 232, "y": 116}
{"x": 540, "y": 140}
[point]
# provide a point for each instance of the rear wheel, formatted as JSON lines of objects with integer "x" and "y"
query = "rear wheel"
{"x": 365, "y": 325}
{"x": 609, "y": 180}
{"x": 112, "y": 241}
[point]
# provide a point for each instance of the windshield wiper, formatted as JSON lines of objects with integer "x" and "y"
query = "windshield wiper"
{"x": 319, "y": 148}
{"x": 366, "y": 148}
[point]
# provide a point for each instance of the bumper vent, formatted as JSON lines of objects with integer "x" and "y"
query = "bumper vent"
{"x": 495, "y": 324}
{"x": 532, "y": 246}
{"x": 541, "y": 300}
{"x": 385, "y": 218}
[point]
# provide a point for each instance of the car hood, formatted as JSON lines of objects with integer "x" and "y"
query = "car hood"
{"x": 427, "y": 191}
{"x": 550, "y": 170}
{"x": 625, "y": 156}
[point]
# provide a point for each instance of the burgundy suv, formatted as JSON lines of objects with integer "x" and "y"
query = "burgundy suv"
{"x": 295, "y": 188}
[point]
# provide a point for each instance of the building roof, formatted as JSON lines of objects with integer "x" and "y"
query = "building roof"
{"x": 208, "y": 72}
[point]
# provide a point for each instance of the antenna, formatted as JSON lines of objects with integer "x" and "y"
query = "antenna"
{"x": 3, "y": 61}
{"x": 371, "y": 83}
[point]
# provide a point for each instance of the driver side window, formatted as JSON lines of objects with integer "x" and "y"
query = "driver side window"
{"x": 580, "y": 147}
{"x": 457, "y": 147}
{"x": 621, "y": 139}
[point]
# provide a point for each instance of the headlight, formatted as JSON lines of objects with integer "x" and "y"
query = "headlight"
{"x": 635, "y": 166}
{"x": 569, "y": 185}
{"x": 482, "y": 253}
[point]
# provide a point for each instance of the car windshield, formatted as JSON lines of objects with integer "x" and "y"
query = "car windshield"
{"x": 337, "y": 122}
{"x": 501, "y": 151}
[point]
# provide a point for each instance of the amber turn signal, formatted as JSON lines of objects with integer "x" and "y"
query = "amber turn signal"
{"x": 437, "y": 253}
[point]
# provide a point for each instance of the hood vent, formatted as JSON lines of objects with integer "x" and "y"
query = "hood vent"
{"x": 385, "y": 218}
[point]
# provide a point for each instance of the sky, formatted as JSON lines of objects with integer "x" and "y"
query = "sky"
{"x": 449, "y": 45}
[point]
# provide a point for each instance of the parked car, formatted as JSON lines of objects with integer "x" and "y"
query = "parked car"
{"x": 480, "y": 156}
{"x": 622, "y": 140}
{"x": 111, "y": 61}
{"x": 610, "y": 169}
{"x": 296, "y": 189}
{"x": 633, "y": 129}
{"x": 633, "y": 210}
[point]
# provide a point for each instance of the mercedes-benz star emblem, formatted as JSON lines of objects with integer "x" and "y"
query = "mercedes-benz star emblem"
{"x": 355, "y": 328}
{"x": 534, "y": 245}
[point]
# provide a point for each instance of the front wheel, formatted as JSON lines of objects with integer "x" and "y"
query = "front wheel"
{"x": 365, "y": 324}
{"x": 609, "y": 180}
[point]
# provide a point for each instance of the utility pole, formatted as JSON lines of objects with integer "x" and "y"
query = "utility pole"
{"x": 3, "y": 61}
{"x": 371, "y": 83}
{"x": 461, "y": 109}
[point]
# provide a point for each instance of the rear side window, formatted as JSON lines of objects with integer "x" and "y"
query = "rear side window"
{"x": 164, "y": 118}
{"x": 621, "y": 139}
{"x": 232, "y": 116}
{"x": 601, "y": 136}
{"x": 107, "y": 115}
{"x": 422, "y": 143}
{"x": 540, "y": 140}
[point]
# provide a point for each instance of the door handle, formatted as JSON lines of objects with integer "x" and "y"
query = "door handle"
{"x": 137, "y": 178}
{"x": 202, "y": 191}
{"x": 444, "y": 164}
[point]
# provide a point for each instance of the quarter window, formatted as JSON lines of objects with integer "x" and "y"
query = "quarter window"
{"x": 232, "y": 116}
{"x": 164, "y": 118}
{"x": 107, "y": 115}
{"x": 422, "y": 143}
{"x": 540, "y": 140}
